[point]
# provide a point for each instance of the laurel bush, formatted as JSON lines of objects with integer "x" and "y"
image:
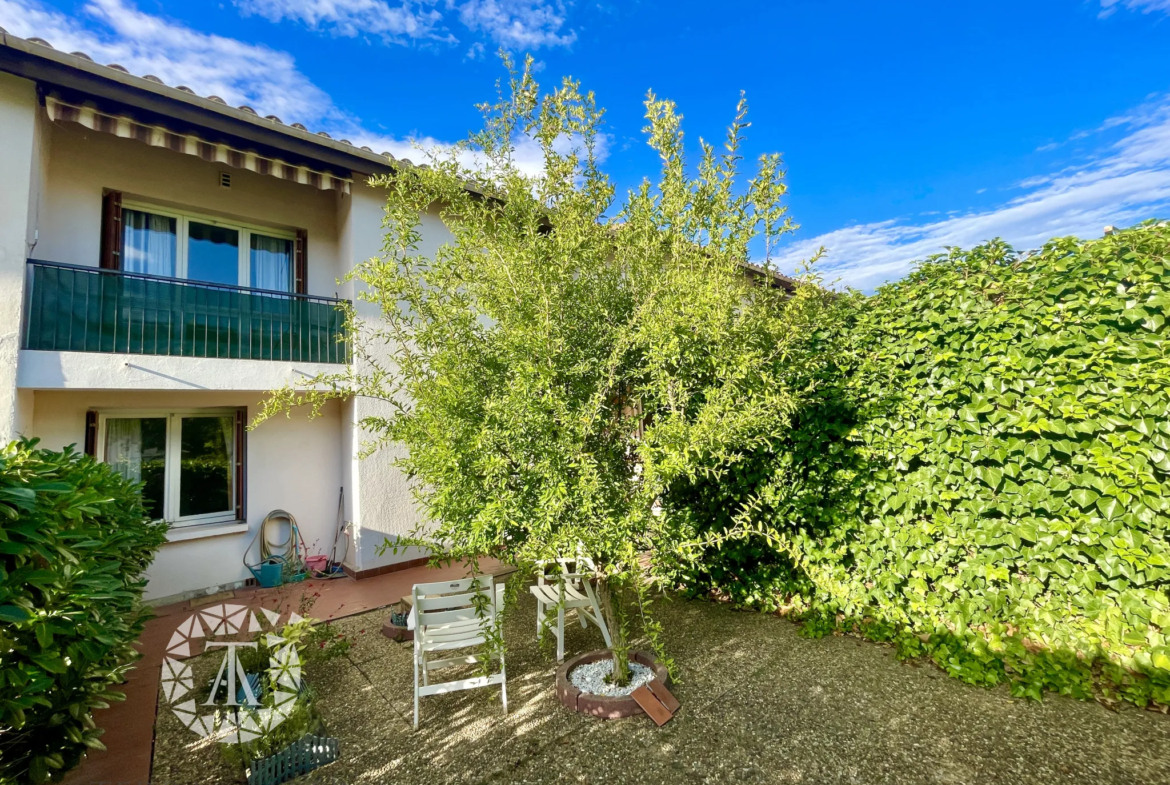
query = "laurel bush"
{"x": 74, "y": 544}
{"x": 981, "y": 474}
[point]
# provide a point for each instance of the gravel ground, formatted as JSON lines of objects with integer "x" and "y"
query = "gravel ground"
{"x": 759, "y": 705}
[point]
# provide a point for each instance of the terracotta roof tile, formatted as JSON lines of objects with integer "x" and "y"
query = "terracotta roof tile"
{"x": 246, "y": 109}
{"x": 189, "y": 91}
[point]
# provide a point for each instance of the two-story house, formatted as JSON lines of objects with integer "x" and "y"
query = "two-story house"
{"x": 166, "y": 259}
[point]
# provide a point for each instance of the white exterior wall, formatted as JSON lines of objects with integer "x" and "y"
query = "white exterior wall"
{"x": 20, "y": 170}
{"x": 293, "y": 464}
{"x": 384, "y": 506}
{"x": 59, "y": 172}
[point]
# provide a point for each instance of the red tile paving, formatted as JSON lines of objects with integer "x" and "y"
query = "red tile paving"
{"x": 129, "y": 725}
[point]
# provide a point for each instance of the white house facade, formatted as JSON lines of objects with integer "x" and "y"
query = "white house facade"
{"x": 165, "y": 260}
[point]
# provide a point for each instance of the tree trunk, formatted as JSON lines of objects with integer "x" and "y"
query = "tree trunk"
{"x": 611, "y": 612}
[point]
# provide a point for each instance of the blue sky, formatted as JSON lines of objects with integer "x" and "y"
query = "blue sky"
{"x": 905, "y": 126}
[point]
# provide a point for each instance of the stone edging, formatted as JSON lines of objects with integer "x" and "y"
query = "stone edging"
{"x": 599, "y": 705}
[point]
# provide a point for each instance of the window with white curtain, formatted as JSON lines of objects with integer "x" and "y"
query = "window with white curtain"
{"x": 150, "y": 243}
{"x": 159, "y": 241}
{"x": 271, "y": 263}
{"x": 185, "y": 460}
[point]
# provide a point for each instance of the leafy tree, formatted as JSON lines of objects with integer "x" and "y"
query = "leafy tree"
{"x": 562, "y": 359}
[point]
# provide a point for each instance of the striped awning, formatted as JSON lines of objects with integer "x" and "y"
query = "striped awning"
{"x": 156, "y": 136}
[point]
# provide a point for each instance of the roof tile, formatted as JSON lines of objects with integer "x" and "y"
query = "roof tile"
{"x": 215, "y": 98}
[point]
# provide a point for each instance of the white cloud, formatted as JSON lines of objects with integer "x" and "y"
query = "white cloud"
{"x": 238, "y": 72}
{"x": 115, "y": 31}
{"x": 1145, "y": 6}
{"x": 521, "y": 24}
{"x": 351, "y": 18}
{"x": 1125, "y": 182}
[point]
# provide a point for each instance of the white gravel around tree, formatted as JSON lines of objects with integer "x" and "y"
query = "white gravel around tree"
{"x": 591, "y": 678}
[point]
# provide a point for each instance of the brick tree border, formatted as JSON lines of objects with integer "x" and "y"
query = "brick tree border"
{"x": 599, "y": 705}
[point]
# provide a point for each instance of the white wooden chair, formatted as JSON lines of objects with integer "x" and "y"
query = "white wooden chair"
{"x": 566, "y": 590}
{"x": 446, "y": 619}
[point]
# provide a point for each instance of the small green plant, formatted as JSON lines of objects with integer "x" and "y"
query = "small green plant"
{"x": 315, "y": 643}
{"x": 304, "y": 718}
{"x": 75, "y": 542}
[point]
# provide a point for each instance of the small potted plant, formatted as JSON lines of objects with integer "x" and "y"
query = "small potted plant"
{"x": 395, "y": 627}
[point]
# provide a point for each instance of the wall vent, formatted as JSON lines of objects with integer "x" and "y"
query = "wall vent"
{"x": 225, "y": 179}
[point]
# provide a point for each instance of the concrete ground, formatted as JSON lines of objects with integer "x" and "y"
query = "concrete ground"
{"x": 759, "y": 705}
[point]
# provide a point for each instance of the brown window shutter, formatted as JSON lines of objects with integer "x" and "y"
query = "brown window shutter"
{"x": 241, "y": 462}
{"x": 112, "y": 237}
{"x": 300, "y": 262}
{"x": 91, "y": 434}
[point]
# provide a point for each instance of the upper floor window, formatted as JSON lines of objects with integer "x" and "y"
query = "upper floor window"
{"x": 181, "y": 245}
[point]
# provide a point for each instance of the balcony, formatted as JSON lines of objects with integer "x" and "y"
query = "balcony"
{"x": 72, "y": 308}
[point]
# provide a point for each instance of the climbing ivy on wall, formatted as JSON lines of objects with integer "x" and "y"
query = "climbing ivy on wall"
{"x": 983, "y": 478}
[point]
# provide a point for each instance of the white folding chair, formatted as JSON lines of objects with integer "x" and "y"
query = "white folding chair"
{"x": 446, "y": 618}
{"x": 566, "y": 590}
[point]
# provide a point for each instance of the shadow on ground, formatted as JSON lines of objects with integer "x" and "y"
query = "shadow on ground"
{"x": 760, "y": 705}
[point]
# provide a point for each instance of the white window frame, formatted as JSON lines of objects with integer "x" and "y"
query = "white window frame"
{"x": 173, "y": 457}
{"x": 184, "y": 217}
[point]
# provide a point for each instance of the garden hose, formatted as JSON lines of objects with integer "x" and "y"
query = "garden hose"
{"x": 285, "y": 553}
{"x": 288, "y": 548}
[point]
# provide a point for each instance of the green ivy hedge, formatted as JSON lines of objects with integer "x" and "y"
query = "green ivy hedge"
{"x": 74, "y": 544}
{"x": 981, "y": 474}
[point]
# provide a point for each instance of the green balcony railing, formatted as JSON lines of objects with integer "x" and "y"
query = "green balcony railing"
{"x": 87, "y": 309}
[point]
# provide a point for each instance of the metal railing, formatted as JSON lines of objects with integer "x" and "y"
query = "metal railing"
{"x": 88, "y": 309}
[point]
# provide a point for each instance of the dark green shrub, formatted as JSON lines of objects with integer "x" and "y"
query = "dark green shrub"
{"x": 991, "y": 485}
{"x": 74, "y": 543}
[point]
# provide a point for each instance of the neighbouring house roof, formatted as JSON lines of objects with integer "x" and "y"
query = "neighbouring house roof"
{"x": 109, "y": 98}
{"x": 778, "y": 280}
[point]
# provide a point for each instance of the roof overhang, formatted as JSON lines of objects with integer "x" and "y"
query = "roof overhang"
{"x": 77, "y": 79}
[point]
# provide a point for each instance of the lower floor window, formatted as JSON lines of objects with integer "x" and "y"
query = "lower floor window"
{"x": 186, "y": 460}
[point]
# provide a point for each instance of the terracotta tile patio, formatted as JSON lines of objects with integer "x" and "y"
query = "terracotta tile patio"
{"x": 129, "y": 725}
